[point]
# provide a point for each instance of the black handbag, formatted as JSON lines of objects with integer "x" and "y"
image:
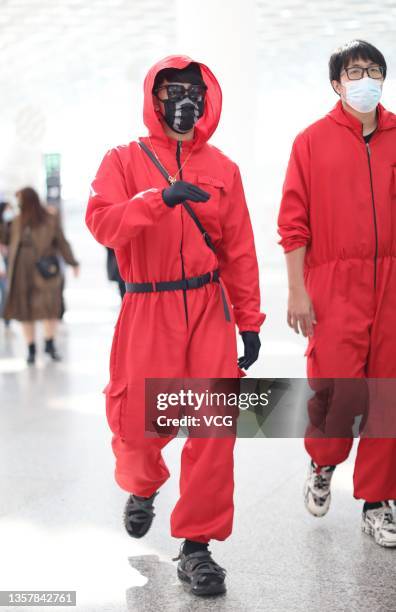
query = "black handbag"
{"x": 48, "y": 266}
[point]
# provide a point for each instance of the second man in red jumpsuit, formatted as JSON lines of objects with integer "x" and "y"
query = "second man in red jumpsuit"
{"x": 337, "y": 223}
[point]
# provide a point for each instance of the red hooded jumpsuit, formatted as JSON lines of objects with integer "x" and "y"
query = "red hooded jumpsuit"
{"x": 175, "y": 334}
{"x": 339, "y": 199}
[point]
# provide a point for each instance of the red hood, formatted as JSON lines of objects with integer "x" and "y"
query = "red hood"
{"x": 386, "y": 119}
{"x": 207, "y": 124}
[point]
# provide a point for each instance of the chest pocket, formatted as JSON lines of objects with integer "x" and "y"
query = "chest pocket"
{"x": 214, "y": 186}
{"x": 209, "y": 212}
{"x": 210, "y": 181}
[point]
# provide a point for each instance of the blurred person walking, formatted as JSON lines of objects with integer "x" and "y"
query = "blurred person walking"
{"x": 113, "y": 273}
{"x": 3, "y": 280}
{"x": 34, "y": 240}
{"x": 6, "y": 216}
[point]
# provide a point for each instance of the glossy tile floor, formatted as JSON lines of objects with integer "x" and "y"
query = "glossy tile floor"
{"x": 60, "y": 510}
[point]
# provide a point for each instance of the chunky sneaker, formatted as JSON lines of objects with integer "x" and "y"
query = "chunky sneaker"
{"x": 138, "y": 515}
{"x": 379, "y": 523}
{"x": 203, "y": 575}
{"x": 317, "y": 495}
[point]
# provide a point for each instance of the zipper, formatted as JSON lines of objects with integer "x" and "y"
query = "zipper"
{"x": 374, "y": 212}
{"x": 178, "y": 155}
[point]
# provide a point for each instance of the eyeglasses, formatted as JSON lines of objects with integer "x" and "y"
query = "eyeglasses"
{"x": 354, "y": 73}
{"x": 176, "y": 92}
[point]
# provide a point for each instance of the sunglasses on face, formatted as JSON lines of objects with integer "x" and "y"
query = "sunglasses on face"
{"x": 176, "y": 92}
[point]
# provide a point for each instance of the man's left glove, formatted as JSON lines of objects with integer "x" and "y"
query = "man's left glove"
{"x": 252, "y": 344}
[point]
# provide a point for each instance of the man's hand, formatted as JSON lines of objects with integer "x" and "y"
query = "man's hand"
{"x": 182, "y": 190}
{"x": 252, "y": 345}
{"x": 76, "y": 271}
{"x": 300, "y": 312}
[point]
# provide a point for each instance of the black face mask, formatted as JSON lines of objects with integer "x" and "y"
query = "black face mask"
{"x": 181, "y": 116}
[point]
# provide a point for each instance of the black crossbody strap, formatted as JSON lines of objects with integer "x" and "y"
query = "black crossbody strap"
{"x": 188, "y": 208}
{"x": 199, "y": 225}
{"x": 155, "y": 161}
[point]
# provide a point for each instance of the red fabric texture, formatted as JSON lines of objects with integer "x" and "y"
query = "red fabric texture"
{"x": 153, "y": 337}
{"x": 350, "y": 268}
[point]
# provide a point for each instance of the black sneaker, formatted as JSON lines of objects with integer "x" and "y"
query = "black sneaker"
{"x": 201, "y": 572}
{"x": 138, "y": 515}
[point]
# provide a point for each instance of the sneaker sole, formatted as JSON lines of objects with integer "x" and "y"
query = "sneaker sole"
{"x": 134, "y": 535}
{"x": 380, "y": 541}
{"x": 212, "y": 589}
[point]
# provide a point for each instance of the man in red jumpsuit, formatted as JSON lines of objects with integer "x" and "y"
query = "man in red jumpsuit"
{"x": 337, "y": 224}
{"x": 188, "y": 329}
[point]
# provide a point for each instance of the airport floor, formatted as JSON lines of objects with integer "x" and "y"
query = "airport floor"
{"x": 61, "y": 511}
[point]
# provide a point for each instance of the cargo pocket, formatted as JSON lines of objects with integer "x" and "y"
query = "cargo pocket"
{"x": 310, "y": 355}
{"x": 116, "y": 397}
{"x": 310, "y": 347}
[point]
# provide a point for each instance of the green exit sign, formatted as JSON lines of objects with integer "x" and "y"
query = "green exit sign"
{"x": 52, "y": 163}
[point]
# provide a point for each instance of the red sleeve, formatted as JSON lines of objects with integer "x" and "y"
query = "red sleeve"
{"x": 237, "y": 259}
{"x": 112, "y": 215}
{"x": 293, "y": 219}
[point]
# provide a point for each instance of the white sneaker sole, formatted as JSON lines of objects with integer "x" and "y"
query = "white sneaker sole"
{"x": 368, "y": 530}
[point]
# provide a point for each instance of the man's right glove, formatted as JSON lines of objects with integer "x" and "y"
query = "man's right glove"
{"x": 182, "y": 190}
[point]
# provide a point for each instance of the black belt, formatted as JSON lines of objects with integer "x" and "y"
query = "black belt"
{"x": 185, "y": 283}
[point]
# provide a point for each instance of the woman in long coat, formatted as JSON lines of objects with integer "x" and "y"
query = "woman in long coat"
{"x": 33, "y": 234}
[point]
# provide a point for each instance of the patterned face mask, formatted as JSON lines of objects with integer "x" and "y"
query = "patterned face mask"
{"x": 182, "y": 116}
{"x": 184, "y": 106}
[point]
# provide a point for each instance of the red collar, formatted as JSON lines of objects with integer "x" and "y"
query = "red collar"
{"x": 163, "y": 140}
{"x": 386, "y": 119}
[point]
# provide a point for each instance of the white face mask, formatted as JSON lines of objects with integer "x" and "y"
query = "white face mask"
{"x": 364, "y": 94}
{"x": 8, "y": 215}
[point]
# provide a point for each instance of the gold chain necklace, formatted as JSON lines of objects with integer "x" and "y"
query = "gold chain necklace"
{"x": 171, "y": 179}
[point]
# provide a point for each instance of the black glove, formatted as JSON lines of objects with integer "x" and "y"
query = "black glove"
{"x": 252, "y": 344}
{"x": 181, "y": 190}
